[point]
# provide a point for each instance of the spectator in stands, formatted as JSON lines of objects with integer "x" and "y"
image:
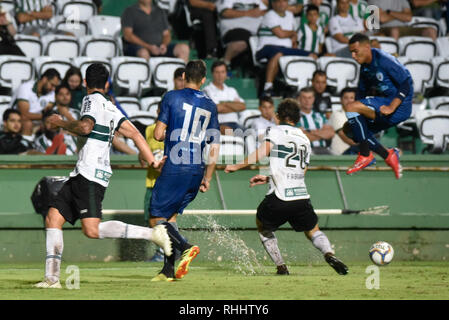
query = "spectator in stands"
{"x": 146, "y": 33}
{"x": 277, "y": 37}
{"x": 63, "y": 97}
{"x": 341, "y": 143}
{"x": 178, "y": 78}
{"x": 74, "y": 80}
{"x": 342, "y": 27}
{"x": 322, "y": 102}
{"x": 310, "y": 33}
{"x": 206, "y": 12}
{"x": 11, "y": 141}
{"x": 267, "y": 117}
{"x": 314, "y": 124}
{"x": 227, "y": 99}
{"x": 358, "y": 9}
{"x": 239, "y": 20}
{"x": 33, "y": 97}
{"x": 7, "y": 32}
{"x": 33, "y": 17}
{"x": 430, "y": 9}
{"x": 295, "y": 7}
{"x": 324, "y": 14}
{"x": 394, "y": 15}
{"x": 53, "y": 140}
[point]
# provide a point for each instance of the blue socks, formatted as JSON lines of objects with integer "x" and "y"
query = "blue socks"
{"x": 363, "y": 136}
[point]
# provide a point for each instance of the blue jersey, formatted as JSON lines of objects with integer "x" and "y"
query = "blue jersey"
{"x": 192, "y": 120}
{"x": 385, "y": 76}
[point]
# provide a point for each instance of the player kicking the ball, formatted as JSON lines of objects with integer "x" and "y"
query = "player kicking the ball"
{"x": 81, "y": 196}
{"x": 384, "y": 95}
{"x": 287, "y": 200}
{"x": 187, "y": 121}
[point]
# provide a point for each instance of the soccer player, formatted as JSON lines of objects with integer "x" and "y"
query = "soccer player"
{"x": 383, "y": 100}
{"x": 81, "y": 196}
{"x": 287, "y": 200}
{"x": 187, "y": 120}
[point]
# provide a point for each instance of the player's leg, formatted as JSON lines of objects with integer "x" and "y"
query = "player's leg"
{"x": 270, "y": 243}
{"x": 158, "y": 255}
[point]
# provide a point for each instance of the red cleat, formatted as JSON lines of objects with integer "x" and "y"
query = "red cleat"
{"x": 393, "y": 161}
{"x": 361, "y": 162}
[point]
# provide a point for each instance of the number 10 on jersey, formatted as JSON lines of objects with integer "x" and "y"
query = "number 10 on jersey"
{"x": 195, "y": 135}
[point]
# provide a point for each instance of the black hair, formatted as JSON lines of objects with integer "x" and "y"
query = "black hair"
{"x": 346, "y": 90}
{"x": 265, "y": 99}
{"x": 62, "y": 86}
{"x": 48, "y": 113}
{"x": 96, "y": 76}
{"x": 288, "y": 110}
{"x": 359, "y": 37}
{"x": 73, "y": 71}
{"x": 312, "y": 7}
{"x": 178, "y": 72}
{"x": 51, "y": 74}
{"x": 216, "y": 64}
{"x": 318, "y": 73}
{"x": 8, "y": 112}
{"x": 195, "y": 71}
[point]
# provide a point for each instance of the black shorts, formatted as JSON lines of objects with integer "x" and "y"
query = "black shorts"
{"x": 273, "y": 213}
{"x": 79, "y": 198}
{"x": 236, "y": 35}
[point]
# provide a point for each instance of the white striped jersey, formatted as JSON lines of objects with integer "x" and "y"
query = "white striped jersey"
{"x": 323, "y": 20}
{"x": 313, "y": 121}
{"x": 32, "y": 5}
{"x": 358, "y": 9}
{"x": 42, "y": 143}
{"x": 270, "y": 21}
{"x": 310, "y": 40}
{"x": 289, "y": 157}
{"x": 93, "y": 157}
{"x": 248, "y": 23}
{"x": 348, "y": 26}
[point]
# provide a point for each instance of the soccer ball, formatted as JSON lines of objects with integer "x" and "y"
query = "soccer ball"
{"x": 381, "y": 253}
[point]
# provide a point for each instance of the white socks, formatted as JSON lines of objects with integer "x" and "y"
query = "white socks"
{"x": 321, "y": 242}
{"x": 271, "y": 246}
{"x": 118, "y": 229}
{"x": 55, "y": 245}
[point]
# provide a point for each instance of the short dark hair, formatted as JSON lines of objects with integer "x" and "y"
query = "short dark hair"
{"x": 346, "y": 90}
{"x": 96, "y": 76}
{"x": 312, "y": 7}
{"x": 178, "y": 72}
{"x": 48, "y": 113}
{"x": 51, "y": 74}
{"x": 288, "y": 110}
{"x": 319, "y": 73}
{"x": 216, "y": 64}
{"x": 359, "y": 37}
{"x": 263, "y": 99}
{"x": 8, "y": 112}
{"x": 195, "y": 71}
{"x": 62, "y": 86}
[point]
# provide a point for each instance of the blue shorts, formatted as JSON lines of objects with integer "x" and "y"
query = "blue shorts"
{"x": 268, "y": 52}
{"x": 172, "y": 193}
{"x": 382, "y": 122}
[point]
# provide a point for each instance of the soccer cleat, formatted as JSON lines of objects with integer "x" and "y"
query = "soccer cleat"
{"x": 187, "y": 257}
{"x": 282, "y": 270}
{"x": 338, "y": 266}
{"x": 393, "y": 161}
{"x": 161, "y": 238}
{"x": 162, "y": 277}
{"x": 46, "y": 284}
{"x": 362, "y": 162}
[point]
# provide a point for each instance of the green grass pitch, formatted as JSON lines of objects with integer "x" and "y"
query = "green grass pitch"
{"x": 222, "y": 281}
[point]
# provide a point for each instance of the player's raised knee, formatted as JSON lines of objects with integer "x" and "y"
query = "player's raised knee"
{"x": 91, "y": 232}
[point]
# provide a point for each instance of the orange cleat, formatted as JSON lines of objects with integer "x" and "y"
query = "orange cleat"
{"x": 361, "y": 162}
{"x": 187, "y": 257}
{"x": 393, "y": 161}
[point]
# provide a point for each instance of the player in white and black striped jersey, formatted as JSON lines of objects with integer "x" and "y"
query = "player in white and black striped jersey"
{"x": 287, "y": 200}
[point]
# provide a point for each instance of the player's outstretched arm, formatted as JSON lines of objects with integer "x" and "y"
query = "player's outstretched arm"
{"x": 159, "y": 131}
{"x": 263, "y": 151}
{"x": 210, "y": 168}
{"x": 79, "y": 127}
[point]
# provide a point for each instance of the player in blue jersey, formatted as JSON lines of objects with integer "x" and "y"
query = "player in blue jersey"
{"x": 383, "y": 100}
{"x": 187, "y": 120}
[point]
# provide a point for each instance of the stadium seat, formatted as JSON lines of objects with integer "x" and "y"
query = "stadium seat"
{"x": 43, "y": 63}
{"x": 253, "y": 42}
{"x": 76, "y": 27}
{"x": 230, "y": 147}
{"x": 443, "y": 46}
{"x": 422, "y": 72}
{"x": 58, "y": 46}
{"x": 149, "y": 103}
{"x": 247, "y": 117}
{"x": 298, "y": 71}
{"x": 83, "y": 62}
{"x": 328, "y": 44}
{"x": 168, "y": 5}
{"x": 441, "y": 73}
{"x": 14, "y": 70}
{"x": 144, "y": 117}
{"x": 417, "y": 47}
{"x": 4, "y": 104}
{"x": 162, "y": 70}
{"x": 433, "y": 128}
{"x": 102, "y": 25}
{"x": 31, "y": 46}
{"x": 424, "y": 22}
{"x": 131, "y": 74}
{"x": 250, "y": 143}
{"x": 336, "y": 103}
{"x": 439, "y": 103}
{"x": 388, "y": 44}
{"x": 7, "y": 5}
{"x": 80, "y": 10}
{"x": 129, "y": 104}
{"x": 341, "y": 72}
{"x": 99, "y": 46}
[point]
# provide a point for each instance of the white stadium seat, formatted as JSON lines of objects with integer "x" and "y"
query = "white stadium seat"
{"x": 422, "y": 72}
{"x": 150, "y": 103}
{"x": 80, "y": 10}
{"x": 99, "y": 46}
{"x": 424, "y": 22}
{"x": 4, "y": 104}
{"x": 131, "y": 74}
{"x": 232, "y": 146}
{"x": 102, "y": 25}
{"x": 83, "y": 62}
{"x": 247, "y": 117}
{"x": 433, "y": 128}
{"x": 129, "y": 104}
{"x": 43, "y": 63}
{"x": 162, "y": 70}
{"x": 341, "y": 72}
{"x": 439, "y": 103}
{"x": 144, "y": 117}
{"x": 7, "y": 5}
{"x": 14, "y": 70}
{"x": 31, "y": 46}
{"x": 253, "y": 43}
{"x": 58, "y": 46}
{"x": 441, "y": 71}
{"x": 388, "y": 44}
{"x": 443, "y": 46}
{"x": 417, "y": 47}
{"x": 298, "y": 71}
{"x": 76, "y": 27}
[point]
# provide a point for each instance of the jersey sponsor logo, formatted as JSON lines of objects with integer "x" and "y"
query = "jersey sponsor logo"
{"x": 295, "y": 192}
{"x": 380, "y": 76}
{"x": 102, "y": 175}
